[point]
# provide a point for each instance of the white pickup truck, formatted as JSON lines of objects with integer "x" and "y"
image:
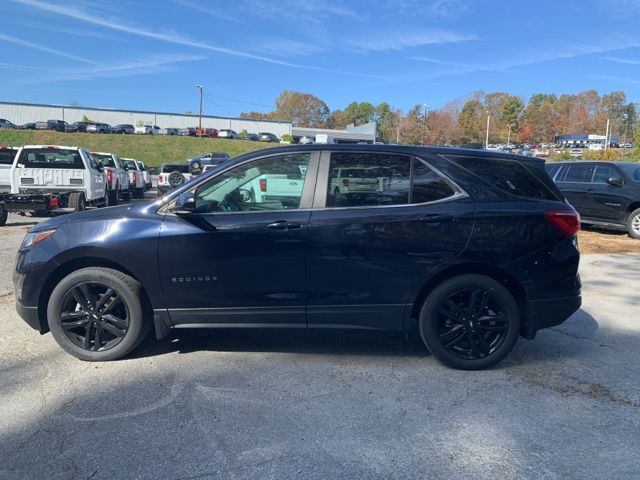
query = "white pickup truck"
{"x": 116, "y": 175}
{"x": 136, "y": 177}
{"x": 7, "y": 156}
{"x": 54, "y": 179}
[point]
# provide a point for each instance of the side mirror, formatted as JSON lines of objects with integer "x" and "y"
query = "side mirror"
{"x": 100, "y": 167}
{"x": 126, "y": 168}
{"x": 185, "y": 204}
{"x": 615, "y": 181}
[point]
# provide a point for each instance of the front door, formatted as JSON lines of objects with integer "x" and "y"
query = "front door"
{"x": 379, "y": 237}
{"x": 608, "y": 201}
{"x": 239, "y": 259}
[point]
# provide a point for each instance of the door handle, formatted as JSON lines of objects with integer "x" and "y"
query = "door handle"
{"x": 437, "y": 218}
{"x": 283, "y": 225}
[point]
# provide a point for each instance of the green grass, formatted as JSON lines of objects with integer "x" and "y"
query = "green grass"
{"x": 151, "y": 149}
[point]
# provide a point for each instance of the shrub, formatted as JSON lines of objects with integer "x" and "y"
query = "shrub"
{"x": 286, "y": 138}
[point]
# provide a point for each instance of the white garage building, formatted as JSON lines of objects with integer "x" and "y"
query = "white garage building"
{"x": 21, "y": 113}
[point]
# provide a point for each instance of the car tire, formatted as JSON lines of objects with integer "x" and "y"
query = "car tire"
{"x": 138, "y": 192}
{"x": 633, "y": 224}
{"x": 107, "y": 200}
{"x": 469, "y": 322}
{"x": 113, "y": 196}
{"x": 196, "y": 165}
{"x": 77, "y": 201}
{"x": 91, "y": 328}
{"x": 3, "y": 216}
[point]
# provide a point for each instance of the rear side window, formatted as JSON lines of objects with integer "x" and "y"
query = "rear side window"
{"x": 580, "y": 173}
{"x": 7, "y": 156}
{"x": 604, "y": 173}
{"x": 552, "y": 169}
{"x": 508, "y": 175}
{"x": 50, "y": 158}
{"x": 106, "y": 160}
{"x": 359, "y": 179}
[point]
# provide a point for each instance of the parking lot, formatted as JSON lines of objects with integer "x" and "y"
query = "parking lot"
{"x": 297, "y": 404}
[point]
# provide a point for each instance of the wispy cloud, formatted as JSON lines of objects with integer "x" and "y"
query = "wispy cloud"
{"x": 171, "y": 37}
{"x": 611, "y": 78}
{"x": 42, "y": 48}
{"x": 429, "y": 8}
{"x": 626, "y": 61}
{"x": 377, "y": 42}
{"x": 211, "y": 10}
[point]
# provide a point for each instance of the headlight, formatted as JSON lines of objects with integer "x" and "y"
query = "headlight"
{"x": 36, "y": 237}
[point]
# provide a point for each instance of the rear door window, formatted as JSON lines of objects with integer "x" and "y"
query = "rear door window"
{"x": 603, "y": 173}
{"x": 579, "y": 173}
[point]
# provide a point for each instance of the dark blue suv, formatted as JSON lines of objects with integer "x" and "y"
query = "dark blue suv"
{"x": 474, "y": 248}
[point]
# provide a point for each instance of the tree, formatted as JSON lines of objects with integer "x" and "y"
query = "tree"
{"x": 337, "y": 120}
{"x": 510, "y": 113}
{"x": 301, "y": 109}
{"x": 386, "y": 121}
{"x": 471, "y": 122}
{"x": 255, "y": 115}
{"x": 636, "y": 144}
{"x": 359, "y": 113}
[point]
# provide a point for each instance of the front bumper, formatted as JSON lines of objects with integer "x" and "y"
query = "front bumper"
{"x": 29, "y": 315}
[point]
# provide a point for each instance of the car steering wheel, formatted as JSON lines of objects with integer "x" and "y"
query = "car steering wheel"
{"x": 229, "y": 203}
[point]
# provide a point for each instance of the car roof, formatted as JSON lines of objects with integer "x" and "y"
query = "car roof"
{"x": 61, "y": 147}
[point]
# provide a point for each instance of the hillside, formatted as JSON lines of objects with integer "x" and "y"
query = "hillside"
{"x": 152, "y": 149}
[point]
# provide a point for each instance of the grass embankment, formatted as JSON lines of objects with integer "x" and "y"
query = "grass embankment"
{"x": 151, "y": 149}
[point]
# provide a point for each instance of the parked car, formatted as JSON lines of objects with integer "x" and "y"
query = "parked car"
{"x": 168, "y": 131}
{"x": 116, "y": 175}
{"x": 187, "y": 132}
{"x": 54, "y": 179}
{"x": 171, "y": 176}
{"x": 124, "y": 128}
{"x": 148, "y": 130}
{"x": 4, "y": 123}
{"x": 596, "y": 147}
{"x": 98, "y": 128}
{"x": 80, "y": 126}
{"x": 57, "y": 125}
{"x": 540, "y": 152}
{"x": 145, "y": 174}
{"x": 604, "y": 193}
{"x": 471, "y": 248}
{"x": 306, "y": 140}
{"x": 28, "y": 126}
{"x": 136, "y": 177}
{"x": 227, "y": 133}
{"x": 268, "y": 137}
{"x": 7, "y": 156}
{"x": 576, "y": 152}
{"x": 208, "y": 158}
{"x": 253, "y": 137}
{"x": 206, "y": 132}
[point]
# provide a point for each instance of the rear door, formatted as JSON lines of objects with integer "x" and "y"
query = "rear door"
{"x": 574, "y": 181}
{"x": 369, "y": 250}
{"x": 95, "y": 177}
{"x": 609, "y": 203}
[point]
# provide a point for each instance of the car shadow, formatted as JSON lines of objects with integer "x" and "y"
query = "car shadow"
{"x": 547, "y": 345}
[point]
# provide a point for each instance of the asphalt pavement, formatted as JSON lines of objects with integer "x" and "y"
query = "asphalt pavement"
{"x": 298, "y": 404}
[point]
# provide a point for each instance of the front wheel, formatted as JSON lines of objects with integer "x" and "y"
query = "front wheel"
{"x": 95, "y": 314}
{"x": 470, "y": 322}
{"x": 633, "y": 224}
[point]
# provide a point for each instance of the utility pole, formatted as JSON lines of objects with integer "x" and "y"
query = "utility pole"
{"x": 424, "y": 122}
{"x": 201, "y": 88}
{"x": 606, "y": 136}
{"x": 486, "y": 140}
{"x": 624, "y": 141}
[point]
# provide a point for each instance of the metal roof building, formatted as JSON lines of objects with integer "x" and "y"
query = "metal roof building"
{"x": 352, "y": 134}
{"x": 20, "y": 113}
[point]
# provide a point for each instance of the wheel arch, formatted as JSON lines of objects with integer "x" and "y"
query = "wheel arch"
{"x": 633, "y": 206}
{"x": 76, "y": 264}
{"x": 506, "y": 279}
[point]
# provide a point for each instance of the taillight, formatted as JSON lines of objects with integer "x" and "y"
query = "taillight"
{"x": 566, "y": 221}
{"x": 263, "y": 184}
{"x": 159, "y": 178}
{"x": 135, "y": 177}
{"x": 345, "y": 182}
{"x": 109, "y": 176}
{"x": 53, "y": 202}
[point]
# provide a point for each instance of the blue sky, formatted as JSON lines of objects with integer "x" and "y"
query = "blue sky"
{"x": 151, "y": 54}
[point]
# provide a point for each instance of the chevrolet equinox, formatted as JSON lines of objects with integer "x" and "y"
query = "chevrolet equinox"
{"x": 473, "y": 248}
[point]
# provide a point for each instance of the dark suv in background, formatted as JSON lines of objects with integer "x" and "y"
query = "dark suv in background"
{"x": 473, "y": 248}
{"x": 604, "y": 193}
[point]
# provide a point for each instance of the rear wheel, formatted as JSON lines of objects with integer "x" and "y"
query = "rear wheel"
{"x": 3, "y": 216}
{"x": 139, "y": 192}
{"x": 470, "y": 322}
{"x": 95, "y": 314}
{"x": 633, "y": 224}
{"x": 77, "y": 201}
{"x": 113, "y": 196}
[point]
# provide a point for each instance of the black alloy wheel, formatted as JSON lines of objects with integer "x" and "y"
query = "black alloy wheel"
{"x": 96, "y": 314}
{"x": 470, "y": 322}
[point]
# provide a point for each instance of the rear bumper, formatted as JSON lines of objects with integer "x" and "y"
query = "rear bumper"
{"x": 549, "y": 313}
{"x": 27, "y": 203}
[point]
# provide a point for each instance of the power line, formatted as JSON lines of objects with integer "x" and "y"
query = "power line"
{"x": 206, "y": 96}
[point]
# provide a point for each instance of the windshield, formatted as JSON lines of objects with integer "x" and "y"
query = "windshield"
{"x": 105, "y": 159}
{"x": 50, "y": 158}
{"x": 632, "y": 170}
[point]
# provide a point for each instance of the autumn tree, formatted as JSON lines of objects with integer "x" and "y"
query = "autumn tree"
{"x": 510, "y": 114}
{"x": 301, "y": 109}
{"x": 471, "y": 122}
